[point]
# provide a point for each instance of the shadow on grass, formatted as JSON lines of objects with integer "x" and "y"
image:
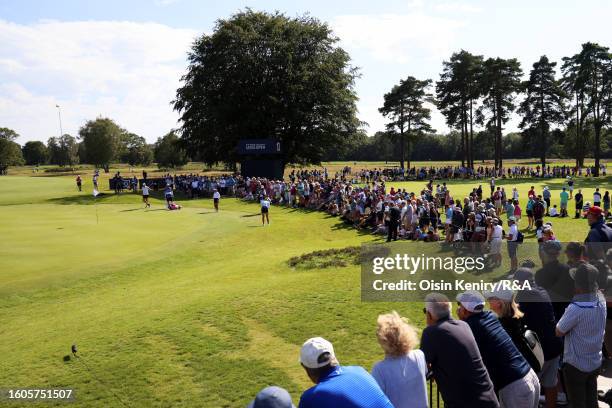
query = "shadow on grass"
{"x": 248, "y": 215}
{"x": 132, "y": 209}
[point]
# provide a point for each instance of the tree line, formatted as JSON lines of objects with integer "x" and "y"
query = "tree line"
{"x": 99, "y": 142}
{"x": 572, "y": 110}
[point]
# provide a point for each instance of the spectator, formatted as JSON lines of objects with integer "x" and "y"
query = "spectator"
{"x": 514, "y": 380}
{"x": 503, "y": 304}
{"x": 564, "y": 198}
{"x": 583, "y": 325}
{"x": 402, "y": 374}
{"x": 554, "y": 277}
{"x": 546, "y": 195}
{"x": 456, "y": 364}
{"x": 272, "y": 397}
{"x": 337, "y": 386}
{"x": 513, "y": 242}
{"x": 539, "y": 316}
{"x": 578, "y": 198}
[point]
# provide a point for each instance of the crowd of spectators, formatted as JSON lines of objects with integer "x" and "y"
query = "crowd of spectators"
{"x": 486, "y": 356}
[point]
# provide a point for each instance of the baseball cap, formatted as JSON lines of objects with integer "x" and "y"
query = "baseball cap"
{"x": 501, "y": 294}
{"x": 472, "y": 301}
{"x": 585, "y": 277}
{"x": 512, "y": 218}
{"x": 313, "y": 349}
{"x": 595, "y": 210}
{"x": 272, "y": 397}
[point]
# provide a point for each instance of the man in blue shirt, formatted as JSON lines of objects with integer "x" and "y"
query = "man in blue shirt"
{"x": 517, "y": 384}
{"x": 583, "y": 326}
{"x": 337, "y": 386}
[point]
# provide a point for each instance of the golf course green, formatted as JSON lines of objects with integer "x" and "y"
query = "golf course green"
{"x": 187, "y": 308}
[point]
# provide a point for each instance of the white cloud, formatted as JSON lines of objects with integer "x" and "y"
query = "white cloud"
{"x": 124, "y": 70}
{"x": 457, "y": 8}
{"x": 398, "y": 38}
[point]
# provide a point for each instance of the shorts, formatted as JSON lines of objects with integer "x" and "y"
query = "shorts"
{"x": 145, "y": 196}
{"x": 169, "y": 197}
{"x": 548, "y": 375}
{"x": 264, "y": 210}
{"x": 512, "y": 247}
{"x": 564, "y": 206}
{"x": 216, "y": 200}
{"x": 529, "y": 213}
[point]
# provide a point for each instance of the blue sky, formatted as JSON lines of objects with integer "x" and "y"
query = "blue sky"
{"x": 124, "y": 59}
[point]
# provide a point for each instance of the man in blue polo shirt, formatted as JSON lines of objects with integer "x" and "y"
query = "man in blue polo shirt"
{"x": 337, "y": 386}
{"x": 514, "y": 380}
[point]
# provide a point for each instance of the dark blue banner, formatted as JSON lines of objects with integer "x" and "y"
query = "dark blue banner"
{"x": 259, "y": 146}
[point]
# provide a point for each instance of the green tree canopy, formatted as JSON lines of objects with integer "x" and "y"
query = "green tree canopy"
{"x": 589, "y": 75}
{"x": 10, "y": 155}
{"x": 543, "y": 105}
{"x": 8, "y": 134}
{"x": 262, "y": 75}
{"x": 169, "y": 152}
{"x": 501, "y": 81}
{"x": 458, "y": 91}
{"x": 405, "y": 107}
{"x": 63, "y": 151}
{"x": 35, "y": 153}
{"x": 134, "y": 150}
{"x": 101, "y": 139}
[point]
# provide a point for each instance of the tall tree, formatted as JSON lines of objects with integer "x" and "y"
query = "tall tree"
{"x": 101, "y": 139}
{"x": 10, "y": 155}
{"x": 267, "y": 75}
{"x": 573, "y": 84}
{"x": 34, "y": 153}
{"x": 589, "y": 73}
{"x": 405, "y": 107}
{"x": 543, "y": 105}
{"x": 458, "y": 91}
{"x": 169, "y": 152}
{"x": 500, "y": 83}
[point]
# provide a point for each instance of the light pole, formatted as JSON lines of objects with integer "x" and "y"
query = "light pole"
{"x": 59, "y": 115}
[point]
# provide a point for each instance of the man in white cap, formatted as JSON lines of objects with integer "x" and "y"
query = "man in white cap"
{"x": 337, "y": 386}
{"x": 516, "y": 383}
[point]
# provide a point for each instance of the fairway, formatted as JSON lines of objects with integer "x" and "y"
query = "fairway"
{"x": 186, "y": 308}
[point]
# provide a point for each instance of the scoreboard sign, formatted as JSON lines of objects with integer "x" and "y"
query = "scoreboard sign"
{"x": 259, "y": 146}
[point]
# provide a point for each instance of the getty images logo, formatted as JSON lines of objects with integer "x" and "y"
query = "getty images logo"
{"x": 412, "y": 264}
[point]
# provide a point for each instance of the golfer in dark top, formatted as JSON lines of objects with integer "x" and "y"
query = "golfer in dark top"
{"x": 514, "y": 380}
{"x": 451, "y": 351}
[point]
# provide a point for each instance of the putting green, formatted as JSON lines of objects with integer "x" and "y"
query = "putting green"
{"x": 185, "y": 308}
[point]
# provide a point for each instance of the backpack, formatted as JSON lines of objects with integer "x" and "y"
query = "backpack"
{"x": 535, "y": 356}
{"x": 520, "y": 237}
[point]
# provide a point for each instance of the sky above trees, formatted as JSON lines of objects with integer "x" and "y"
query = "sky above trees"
{"x": 124, "y": 61}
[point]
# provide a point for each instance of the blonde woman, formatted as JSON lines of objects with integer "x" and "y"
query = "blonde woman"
{"x": 401, "y": 374}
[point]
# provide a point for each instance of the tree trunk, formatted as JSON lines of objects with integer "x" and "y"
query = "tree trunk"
{"x": 597, "y": 147}
{"x": 543, "y": 130}
{"x": 499, "y": 134}
{"x": 402, "y": 142}
{"x": 471, "y": 164}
